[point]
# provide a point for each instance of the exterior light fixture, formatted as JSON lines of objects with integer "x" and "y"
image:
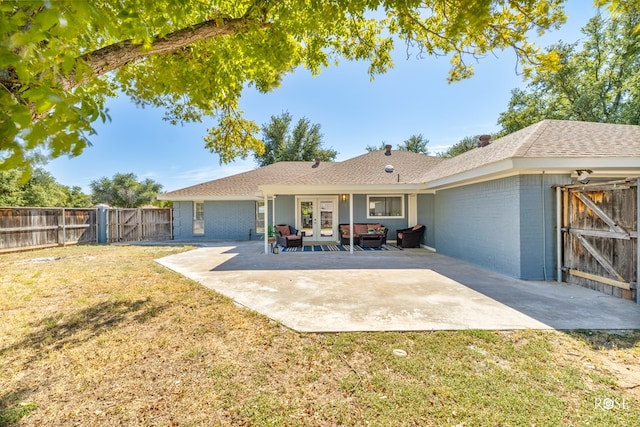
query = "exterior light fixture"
{"x": 343, "y": 197}
{"x": 583, "y": 175}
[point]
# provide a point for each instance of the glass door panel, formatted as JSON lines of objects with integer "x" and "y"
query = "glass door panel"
{"x": 305, "y": 209}
{"x": 316, "y": 217}
{"x": 326, "y": 218}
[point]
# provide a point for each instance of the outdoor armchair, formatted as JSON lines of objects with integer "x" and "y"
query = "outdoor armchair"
{"x": 288, "y": 236}
{"x": 410, "y": 237}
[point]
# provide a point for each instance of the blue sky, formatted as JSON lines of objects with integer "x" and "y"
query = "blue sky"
{"x": 353, "y": 112}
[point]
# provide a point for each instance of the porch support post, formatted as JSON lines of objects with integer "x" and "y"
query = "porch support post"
{"x": 638, "y": 242}
{"x": 266, "y": 223}
{"x": 273, "y": 209}
{"x": 351, "y": 222}
{"x": 558, "y": 234}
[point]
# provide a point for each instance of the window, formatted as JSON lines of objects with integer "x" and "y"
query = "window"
{"x": 259, "y": 217}
{"x": 385, "y": 206}
{"x": 198, "y": 217}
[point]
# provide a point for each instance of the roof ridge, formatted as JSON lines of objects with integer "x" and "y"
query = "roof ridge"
{"x": 529, "y": 140}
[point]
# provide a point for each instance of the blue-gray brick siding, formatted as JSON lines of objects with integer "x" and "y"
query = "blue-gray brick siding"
{"x": 426, "y": 216}
{"x": 498, "y": 225}
{"x": 223, "y": 220}
{"x": 285, "y": 210}
{"x": 538, "y": 225}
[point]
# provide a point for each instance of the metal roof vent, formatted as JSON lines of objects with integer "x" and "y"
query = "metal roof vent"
{"x": 317, "y": 162}
{"x": 387, "y": 150}
{"x": 388, "y": 169}
{"x": 484, "y": 140}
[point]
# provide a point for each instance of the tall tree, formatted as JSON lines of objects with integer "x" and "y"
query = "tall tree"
{"x": 465, "y": 144}
{"x": 282, "y": 143}
{"x": 39, "y": 190}
{"x": 382, "y": 146}
{"x": 597, "y": 81}
{"x": 124, "y": 191}
{"x": 60, "y": 60}
{"x": 415, "y": 143}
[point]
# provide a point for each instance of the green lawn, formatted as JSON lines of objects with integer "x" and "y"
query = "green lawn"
{"x": 102, "y": 335}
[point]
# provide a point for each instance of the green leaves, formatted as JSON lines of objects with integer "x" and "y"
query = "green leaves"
{"x": 599, "y": 82}
{"x": 233, "y": 137}
{"x": 124, "y": 190}
{"x": 282, "y": 143}
{"x": 62, "y": 59}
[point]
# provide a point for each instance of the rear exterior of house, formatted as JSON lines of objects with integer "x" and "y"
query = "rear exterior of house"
{"x": 494, "y": 206}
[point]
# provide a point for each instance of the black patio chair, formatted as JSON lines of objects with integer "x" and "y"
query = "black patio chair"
{"x": 288, "y": 236}
{"x": 410, "y": 237}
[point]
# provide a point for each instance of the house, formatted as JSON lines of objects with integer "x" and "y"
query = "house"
{"x": 495, "y": 206}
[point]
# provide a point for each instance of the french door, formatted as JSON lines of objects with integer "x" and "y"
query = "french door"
{"x": 318, "y": 218}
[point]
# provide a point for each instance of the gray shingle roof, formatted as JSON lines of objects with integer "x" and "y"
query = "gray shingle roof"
{"x": 545, "y": 140}
{"x": 369, "y": 168}
{"x": 548, "y": 139}
{"x": 242, "y": 184}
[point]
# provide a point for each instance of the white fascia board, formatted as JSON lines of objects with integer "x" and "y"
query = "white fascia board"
{"x": 209, "y": 198}
{"x": 602, "y": 166}
{"x": 340, "y": 189}
{"x": 497, "y": 169}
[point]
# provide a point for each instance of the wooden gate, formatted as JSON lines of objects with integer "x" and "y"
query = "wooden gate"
{"x": 600, "y": 236}
{"x": 134, "y": 225}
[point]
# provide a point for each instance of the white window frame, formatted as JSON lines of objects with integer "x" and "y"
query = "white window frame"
{"x": 400, "y": 196}
{"x": 197, "y": 224}
{"x": 260, "y": 217}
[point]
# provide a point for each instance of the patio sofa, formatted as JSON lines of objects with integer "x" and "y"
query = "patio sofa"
{"x": 361, "y": 228}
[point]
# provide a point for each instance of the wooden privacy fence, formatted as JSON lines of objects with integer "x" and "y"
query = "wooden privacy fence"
{"x": 33, "y": 228}
{"x": 600, "y": 236}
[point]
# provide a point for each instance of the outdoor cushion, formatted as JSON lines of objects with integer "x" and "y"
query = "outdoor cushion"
{"x": 293, "y": 237}
{"x": 374, "y": 227}
{"x": 360, "y": 228}
{"x": 283, "y": 230}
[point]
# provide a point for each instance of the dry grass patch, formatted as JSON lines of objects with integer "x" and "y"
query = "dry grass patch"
{"x": 102, "y": 335}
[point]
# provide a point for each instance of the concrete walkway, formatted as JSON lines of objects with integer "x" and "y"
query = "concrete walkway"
{"x": 409, "y": 290}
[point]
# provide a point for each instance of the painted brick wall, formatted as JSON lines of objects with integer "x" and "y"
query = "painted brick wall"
{"x": 426, "y": 216}
{"x": 285, "y": 210}
{"x": 480, "y": 223}
{"x": 228, "y": 220}
{"x": 538, "y": 225}
{"x": 182, "y": 220}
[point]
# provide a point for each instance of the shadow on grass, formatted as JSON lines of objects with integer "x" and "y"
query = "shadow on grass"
{"x": 52, "y": 333}
{"x": 607, "y": 340}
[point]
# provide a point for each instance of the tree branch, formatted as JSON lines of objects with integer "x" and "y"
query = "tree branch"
{"x": 114, "y": 56}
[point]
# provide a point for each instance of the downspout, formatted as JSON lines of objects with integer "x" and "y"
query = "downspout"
{"x": 544, "y": 229}
{"x": 559, "y": 234}
{"x": 273, "y": 208}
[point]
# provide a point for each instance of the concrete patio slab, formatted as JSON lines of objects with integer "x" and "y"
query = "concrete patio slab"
{"x": 409, "y": 290}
